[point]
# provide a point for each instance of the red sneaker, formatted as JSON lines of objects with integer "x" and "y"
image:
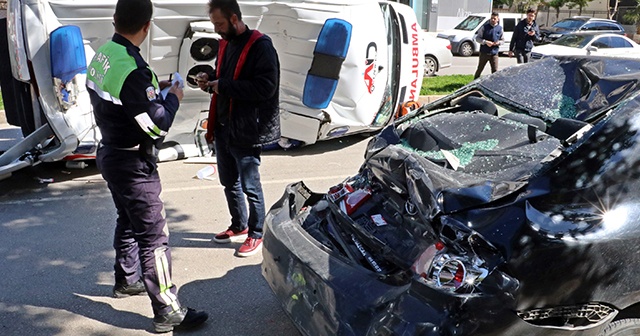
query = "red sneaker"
{"x": 250, "y": 247}
{"x": 230, "y": 236}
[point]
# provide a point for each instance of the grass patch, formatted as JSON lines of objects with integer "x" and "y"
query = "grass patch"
{"x": 441, "y": 85}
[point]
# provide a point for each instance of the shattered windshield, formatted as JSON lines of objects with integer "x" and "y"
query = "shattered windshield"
{"x": 470, "y": 23}
{"x": 542, "y": 89}
{"x": 564, "y": 87}
{"x": 388, "y": 104}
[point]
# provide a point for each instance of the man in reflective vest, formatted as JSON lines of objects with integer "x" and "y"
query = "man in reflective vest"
{"x": 133, "y": 119}
{"x": 243, "y": 116}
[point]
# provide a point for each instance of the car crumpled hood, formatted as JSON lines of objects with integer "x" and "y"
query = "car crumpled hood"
{"x": 497, "y": 157}
{"x": 496, "y": 162}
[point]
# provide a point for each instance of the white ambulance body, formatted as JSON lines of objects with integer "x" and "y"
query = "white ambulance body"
{"x": 381, "y": 70}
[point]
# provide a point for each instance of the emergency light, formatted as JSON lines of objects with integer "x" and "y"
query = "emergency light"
{"x": 328, "y": 56}
{"x": 67, "y": 53}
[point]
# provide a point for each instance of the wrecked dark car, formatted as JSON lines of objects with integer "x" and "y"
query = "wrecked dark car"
{"x": 510, "y": 207}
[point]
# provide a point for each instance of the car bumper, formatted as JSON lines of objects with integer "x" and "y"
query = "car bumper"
{"x": 455, "y": 47}
{"x": 326, "y": 295}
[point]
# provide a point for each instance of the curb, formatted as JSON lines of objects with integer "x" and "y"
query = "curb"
{"x": 428, "y": 99}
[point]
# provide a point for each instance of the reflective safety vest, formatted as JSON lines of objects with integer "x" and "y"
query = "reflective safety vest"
{"x": 108, "y": 70}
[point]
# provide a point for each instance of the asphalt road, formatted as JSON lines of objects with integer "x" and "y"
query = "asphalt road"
{"x": 468, "y": 65}
{"x": 56, "y": 256}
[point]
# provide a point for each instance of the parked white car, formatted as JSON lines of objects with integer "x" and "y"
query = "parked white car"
{"x": 437, "y": 54}
{"x": 588, "y": 44}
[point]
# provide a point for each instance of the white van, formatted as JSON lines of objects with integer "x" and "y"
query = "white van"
{"x": 462, "y": 37}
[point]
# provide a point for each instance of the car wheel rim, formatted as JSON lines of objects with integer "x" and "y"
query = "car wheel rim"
{"x": 466, "y": 50}
{"x": 429, "y": 66}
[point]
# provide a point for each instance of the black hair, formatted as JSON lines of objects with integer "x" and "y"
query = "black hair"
{"x": 132, "y": 15}
{"x": 226, "y": 7}
{"x": 495, "y": 14}
{"x": 531, "y": 10}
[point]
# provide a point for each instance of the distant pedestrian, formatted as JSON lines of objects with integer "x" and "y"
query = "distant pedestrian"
{"x": 525, "y": 34}
{"x": 491, "y": 37}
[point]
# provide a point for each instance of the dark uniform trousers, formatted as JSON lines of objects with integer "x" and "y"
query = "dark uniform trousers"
{"x": 141, "y": 234}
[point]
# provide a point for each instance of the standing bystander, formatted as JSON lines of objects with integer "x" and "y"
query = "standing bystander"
{"x": 133, "y": 119}
{"x": 243, "y": 116}
{"x": 525, "y": 34}
{"x": 490, "y": 36}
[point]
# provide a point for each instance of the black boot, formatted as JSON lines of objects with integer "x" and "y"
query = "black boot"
{"x": 124, "y": 290}
{"x": 185, "y": 318}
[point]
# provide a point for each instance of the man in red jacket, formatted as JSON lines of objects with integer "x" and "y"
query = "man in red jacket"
{"x": 243, "y": 117}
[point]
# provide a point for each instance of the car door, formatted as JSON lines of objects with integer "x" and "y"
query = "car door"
{"x": 509, "y": 26}
{"x": 611, "y": 46}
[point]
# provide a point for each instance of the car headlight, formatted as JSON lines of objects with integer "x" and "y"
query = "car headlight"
{"x": 448, "y": 271}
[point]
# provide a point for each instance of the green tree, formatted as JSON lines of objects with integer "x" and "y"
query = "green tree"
{"x": 508, "y": 3}
{"x": 556, "y": 4}
{"x": 526, "y": 4}
{"x": 633, "y": 16}
{"x": 578, "y": 3}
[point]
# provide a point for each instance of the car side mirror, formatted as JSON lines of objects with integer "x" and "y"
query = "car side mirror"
{"x": 591, "y": 49}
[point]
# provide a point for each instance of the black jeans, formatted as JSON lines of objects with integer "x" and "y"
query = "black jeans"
{"x": 522, "y": 56}
{"x": 482, "y": 61}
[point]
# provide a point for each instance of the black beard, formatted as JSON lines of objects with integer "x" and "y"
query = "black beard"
{"x": 231, "y": 34}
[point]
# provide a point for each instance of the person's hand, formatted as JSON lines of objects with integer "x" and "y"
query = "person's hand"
{"x": 489, "y": 43}
{"x": 202, "y": 79}
{"x": 510, "y": 53}
{"x": 531, "y": 33}
{"x": 164, "y": 83}
{"x": 214, "y": 86}
{"x": 177, "y": 90}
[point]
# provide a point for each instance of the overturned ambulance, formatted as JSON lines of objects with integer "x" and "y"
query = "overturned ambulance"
{"x": 346, "y": 68}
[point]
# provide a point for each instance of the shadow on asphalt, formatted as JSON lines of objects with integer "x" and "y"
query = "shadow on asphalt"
{"x": 57, "y": 265}
{"x": 38, "y": 177}
{"x": 252, "y": 315}
{"x": 321, "y": 146}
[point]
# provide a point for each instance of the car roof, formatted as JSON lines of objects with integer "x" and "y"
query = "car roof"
{"x": 588, "y": 18}
{"x": 593, "y": 33}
